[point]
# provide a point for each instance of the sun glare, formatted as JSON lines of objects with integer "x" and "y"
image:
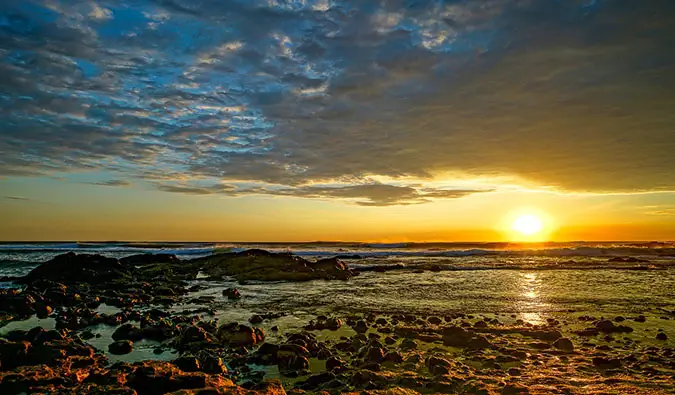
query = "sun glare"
{"x": 528, "y": 224}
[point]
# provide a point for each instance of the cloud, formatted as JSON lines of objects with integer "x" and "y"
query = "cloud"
{"x": 17, "y": 198}
{"x": 112, "y": 183}
{"x": 286, "y": 95}
{"x": 195, "y": 190}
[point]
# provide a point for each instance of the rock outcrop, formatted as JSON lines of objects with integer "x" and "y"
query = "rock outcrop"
{"x": 268, "y": 266}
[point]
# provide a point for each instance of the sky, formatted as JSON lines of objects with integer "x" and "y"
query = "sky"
{"x": 273, "y": 120}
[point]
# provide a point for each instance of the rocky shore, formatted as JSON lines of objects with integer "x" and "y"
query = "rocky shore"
{"x": 333, "y": 353}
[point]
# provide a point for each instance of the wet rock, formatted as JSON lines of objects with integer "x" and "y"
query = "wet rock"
{"x": 640, "y": 318}
{"x": 514, "y": 389}
{"x": 232, "y": 293}
{"x": 316, "y": 380}
{"x": 435, "y": 320}
{"x": 255, "y": 319}
{"x": 334, "y": 363}
{"x": 408, "y": 344}
{"x": 374, "y": 354}
{"x": 121, "y": 347}
{"x": 42, "y": 310}
{"x": 438, "y": 366}
{"x": 360, "y": 326}
{"x": 293, "y": 364}
{"x": 267, "y": 266}
{"x": 240, "y": 335}
{"x": 212, "y": 364}
{"x": 149, "y": 259}
{"x": 71, "y": 267}
{"x": 128, "y": 332}
{"x": 394, "y": 357}
{"x": 13, "y": 354}
{"x": 564, "y": 344}
{"x": 661, "y": 336}
{"x": 188, "y": 363}
{"x": 606, "y": 363}
{"x": 478, "y": 343}
{"x": 456, "y": 337}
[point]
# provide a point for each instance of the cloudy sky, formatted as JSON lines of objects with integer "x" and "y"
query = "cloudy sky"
{"x": 331, "y": 119}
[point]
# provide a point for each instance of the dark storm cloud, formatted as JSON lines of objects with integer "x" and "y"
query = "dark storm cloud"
{"x": 286, "y": 94}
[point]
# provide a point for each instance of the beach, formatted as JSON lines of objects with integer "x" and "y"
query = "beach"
{"x": 337, "y": 317}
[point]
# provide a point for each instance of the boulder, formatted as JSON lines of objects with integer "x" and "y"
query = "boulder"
{"x": 240, "y": 335}
{"x": 71, "y": 267}
{"x": 232, "y": 293}
{"x": 149, "y": 259}
{"x": 121, "y": 347}
{"x": 564, "y": 344}
{"x": 268, "y": 266}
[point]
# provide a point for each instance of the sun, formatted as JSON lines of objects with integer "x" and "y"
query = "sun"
{"x": 528, "y": 224}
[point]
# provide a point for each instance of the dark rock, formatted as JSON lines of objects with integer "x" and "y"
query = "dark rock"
{"x": 232, "y": 293}
{"x": 606, "y": 363}
{"x": 374, "y": 354}
{"x": 267, "y": 266}
{"x": 456, "y": 337}
{"x": 408, "y": 344}
{"x": 564, "y": 344}
{"x": 121, "y": 347}
{"x": 149, "y": 259}
{"x": 438, "y": 366}
{"x": 213, "y": 364}
{"x": 334, "y": 363}
{"x": 255, "y": 319}
{"x": 661, "y": 336}
{"x": 240, "y": 335}
{"x": 188, "y": 364}
{"x": 128, "y": 332}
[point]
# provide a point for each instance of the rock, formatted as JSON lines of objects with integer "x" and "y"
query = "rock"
{"x": 43, "y": 310}
{"x": 661, "y": 336}
{"x": 394, "y": 357}
{"x": 478, "y": 342}
{"x": 71, "y": 267}
{"x": 268, "y": 266}
{"x": 374, "y": 354}
{"x": 438, "y": 366}
{"x": 188, "y": 364}
{"x": 606, "y": 363}
{"x": 316, "y": 380}
{"x": 149, "y": 259}
{"x": 232, "y": 293}
{"x": 240, "y": 335}
{"x": 294, "y": 364}
{"x": 13, "y": 354}
{"x": 121, "y": 347}
{"x": 213, "y": 364}
{"x": 564, "y": 344}
{"x": 456, "y": 336}
{"x": 408, "y": 344}
{"x": 435, "y": 320}
{"x": 514, "y": 389}
{"x": 334, "y": 363}
{"x": 128, "y": 332}
{"x": 255, "y": 319}
{"x": 333, "y": 324}
{"x": 360, "y": 326}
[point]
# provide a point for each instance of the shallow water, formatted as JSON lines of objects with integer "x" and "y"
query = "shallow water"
{"x": 508, "y": 286}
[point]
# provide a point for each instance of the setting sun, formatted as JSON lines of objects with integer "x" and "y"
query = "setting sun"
{"x": 527, "y": 224}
